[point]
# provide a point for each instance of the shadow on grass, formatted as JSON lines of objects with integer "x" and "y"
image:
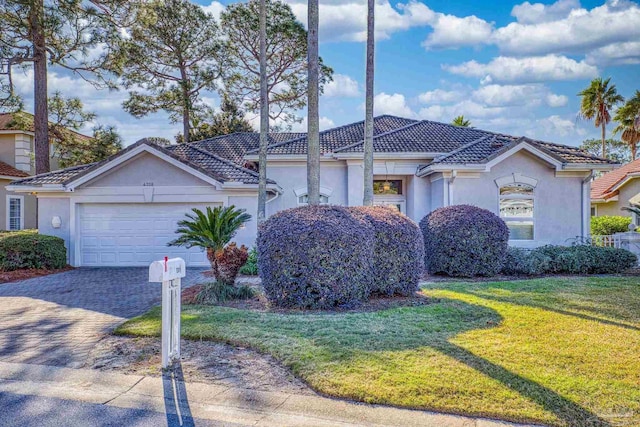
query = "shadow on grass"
{"x": 564, "y": 409}
{"x": 549, "y": 307}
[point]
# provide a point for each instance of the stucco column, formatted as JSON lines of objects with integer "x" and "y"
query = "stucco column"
{"x": 355, "y": 183}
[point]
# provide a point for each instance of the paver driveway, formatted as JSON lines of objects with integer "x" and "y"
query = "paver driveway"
{"x": 57, "y": 319}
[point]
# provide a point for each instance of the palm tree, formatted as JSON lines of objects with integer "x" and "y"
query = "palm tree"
{"x": 597, "y": 101}
{"x": 264, "y": 117}
{"x": 461, "y": 121}
{"x": 368, "y": 117}
{"x": 212, "y": 231}
{"x": 313, "y": 115}
{"x": 628, "y": 118}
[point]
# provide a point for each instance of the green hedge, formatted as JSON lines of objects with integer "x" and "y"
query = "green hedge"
{"x": 581, "y": 259}
{"x": 250, "y": 268}
{"x": 27, "y": 249}
{"x": 607, "y": 225}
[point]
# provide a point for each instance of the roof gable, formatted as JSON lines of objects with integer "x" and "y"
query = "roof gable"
{"x": 605, "y": 186}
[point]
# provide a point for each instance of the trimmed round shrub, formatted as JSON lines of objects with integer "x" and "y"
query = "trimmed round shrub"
{"x": 315, "y": 257}
{"x": 464, "y": 241}
{"x": 524, "y": 262}
{"x": 398, "y": 250}
{"x": 22, "y": 250}
{"x": 607, "y": 225}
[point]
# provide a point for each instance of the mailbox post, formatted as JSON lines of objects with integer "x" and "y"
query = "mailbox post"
{"x": 169, "y": 272}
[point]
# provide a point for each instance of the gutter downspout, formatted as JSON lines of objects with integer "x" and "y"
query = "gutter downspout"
{"x": 450, "y": 181}
{"x": 586, "y": 211}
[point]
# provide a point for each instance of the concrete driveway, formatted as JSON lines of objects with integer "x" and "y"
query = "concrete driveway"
{"x": 57, "y": 319}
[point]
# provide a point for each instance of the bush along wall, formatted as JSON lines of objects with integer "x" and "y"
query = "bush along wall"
{"x": 398, "y": 250}
{"x": 464, "y": 241}
{"x": 20, "y": 250}
{"x": 579, "y": 259}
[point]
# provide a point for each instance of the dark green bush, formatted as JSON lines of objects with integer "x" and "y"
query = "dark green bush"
{"x": 315, "y": 257}
{"x": 216, "y": 292}
{"x": 524, "y": 262}
{"x": 464, "y": 241}
{"x": 250, "y": 268}
{"x": 20, "y": 250}
{"x": 581, "y": 259}
{"x": 398, "y": 251}
{"x": 607, "y": 225}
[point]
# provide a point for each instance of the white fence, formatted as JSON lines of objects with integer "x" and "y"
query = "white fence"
{"x": 629, "y": 241}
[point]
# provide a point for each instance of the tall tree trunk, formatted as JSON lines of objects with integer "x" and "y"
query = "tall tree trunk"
{"x": 186, "y": 104}
{"x": 41, "y": 111}
{"x": 264, "y": 117}
{"x": 313, "y": 114}
{"x": 368, "y": 116}
{"x": 634, "y": 147}
{"x": 604, "y": 142}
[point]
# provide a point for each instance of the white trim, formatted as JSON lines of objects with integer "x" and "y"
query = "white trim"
{"x": 8, "y": 211}
{"x": 516, "y": 178}
{"x": 325, "y": 191}
{"x": 531, "y": 149}
{"x": 15, "y": 131}
{"x": 390, "y": 155}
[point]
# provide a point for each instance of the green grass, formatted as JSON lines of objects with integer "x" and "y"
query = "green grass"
{"x": 556, "y": 351}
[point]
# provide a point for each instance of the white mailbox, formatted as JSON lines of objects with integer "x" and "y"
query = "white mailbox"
{"x": 169, "y": 272}
{"x": 168, "y": 269}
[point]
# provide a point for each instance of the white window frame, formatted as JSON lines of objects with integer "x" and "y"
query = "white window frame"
{"x": 392, "y": 199}
{"x": 301, "y": 192}
{"x": 8, "y": 212}
{"x": 510, "y": 180}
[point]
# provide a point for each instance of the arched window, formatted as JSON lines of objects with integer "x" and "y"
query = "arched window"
{"x": 303, "y": 197}
{"x": 517, "y": 210}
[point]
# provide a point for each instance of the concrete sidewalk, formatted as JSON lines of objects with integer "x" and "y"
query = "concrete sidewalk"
{"x": 182, "y": 402}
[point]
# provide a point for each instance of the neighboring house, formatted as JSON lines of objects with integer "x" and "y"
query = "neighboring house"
{"x": 123, "y": 210}
{"x": 18, "y": 211}
{"x": 616, "y": 189}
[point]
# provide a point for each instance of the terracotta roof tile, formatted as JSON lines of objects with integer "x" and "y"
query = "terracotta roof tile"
{"x": 8, "y": 170}
{"x": 601, "y": 188}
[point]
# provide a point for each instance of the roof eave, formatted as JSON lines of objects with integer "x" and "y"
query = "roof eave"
{"x": 389, "y": 155}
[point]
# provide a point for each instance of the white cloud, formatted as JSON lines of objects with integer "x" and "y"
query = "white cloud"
{"x": 341, "y": 86}
{"x": 616, "y": 54}
{"x": 441, "y": 96}
{"x": 531, "y": 95}
{"x": 450, "y": 31}
{"x": 553, "y": 126}
{"x": 395, "y": 104}
{"x": 527, "y": 13}
{"x": 467, "y": 108}
{"x": 580, "y": 31}
{"x": 525, "y": 70}
{"x": 215, "y": 8}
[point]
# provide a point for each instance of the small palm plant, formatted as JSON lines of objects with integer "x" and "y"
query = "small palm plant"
{"x": 213, "y": 230}
{"x": 461, "y": 121}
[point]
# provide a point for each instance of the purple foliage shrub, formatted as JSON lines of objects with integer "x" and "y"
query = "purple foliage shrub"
{"x": 315, "y": 257}
{"x": 464, "y": 241}
{"x": 398, "y": 250}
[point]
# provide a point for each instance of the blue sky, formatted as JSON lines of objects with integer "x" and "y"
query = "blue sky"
{"x": 508, "y": 66}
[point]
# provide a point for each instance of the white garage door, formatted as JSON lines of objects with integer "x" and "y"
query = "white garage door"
{"x": 133, "y": 234}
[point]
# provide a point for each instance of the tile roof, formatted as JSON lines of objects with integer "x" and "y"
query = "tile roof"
{"x": 234, "y": 146}
{"x": 332, "y": 139}
{"x": 210, "y": 164}
{"x": 8, "y": 170}
{"x": 492, "y": 145}
{"x": 423, "y": 137}
{"x": 602, "y": 187}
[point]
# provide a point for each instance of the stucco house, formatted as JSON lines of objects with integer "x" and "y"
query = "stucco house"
{"x": 616, "y": 189}
{"x": 123, "y": 210}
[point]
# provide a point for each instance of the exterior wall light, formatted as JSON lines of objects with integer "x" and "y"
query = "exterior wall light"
{"x": 56, "y": 222}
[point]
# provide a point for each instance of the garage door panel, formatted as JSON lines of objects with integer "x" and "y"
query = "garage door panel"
{"x": 133, "y": 234}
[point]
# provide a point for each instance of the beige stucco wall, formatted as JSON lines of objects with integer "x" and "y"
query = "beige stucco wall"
{"x": 558, "y": 200}
{"x": 7, "y": 149}
{"x": 146, "y": 169}
{"x": 626, "y": 192}
{"x": 30, "y": 206}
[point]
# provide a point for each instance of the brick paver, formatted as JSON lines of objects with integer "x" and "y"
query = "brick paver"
{"x": 57, "y": 319}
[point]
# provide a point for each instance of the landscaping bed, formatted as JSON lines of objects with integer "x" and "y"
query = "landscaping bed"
{"x": 556, "y": 350}
{"x": 29, "y": 273}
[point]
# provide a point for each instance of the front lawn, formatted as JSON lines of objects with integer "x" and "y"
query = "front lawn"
{"x": 563, "y": 351}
